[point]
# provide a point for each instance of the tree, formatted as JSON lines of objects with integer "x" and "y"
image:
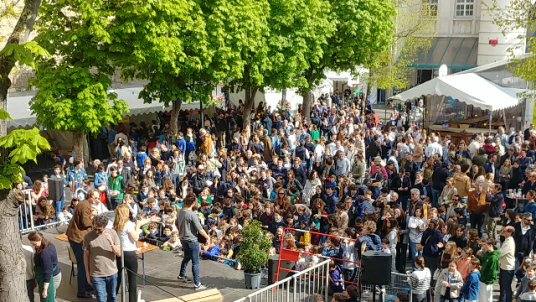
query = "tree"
{"x": 16, "y": 148}
{"x": 361, "y": 28}
{"x": 414, "y": 30}
{"x": 295, "y": 34}
{"x": 74, "y": 83}
{"x": 519, "y": 16}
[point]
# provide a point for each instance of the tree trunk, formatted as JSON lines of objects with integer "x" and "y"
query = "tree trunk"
{"x": 283, "y": 98}
{"x": 12, "y": 262}
{"x": 369, "y": 84}
{"x": 174, "y": 123}
{"x": 20, "y": 34}
{"x": 248, "y": 106}
{"x": 78, "y": 144}
{"x": 307, "y": 103}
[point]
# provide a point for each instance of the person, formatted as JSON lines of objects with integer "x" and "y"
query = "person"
{"x": 47, "y": 270}
{"x": 128, "y": 233}
{"x": 507, "y": 264}
{"x": 495, "y": 201}
{"x": 420, "y": 280}
{"x": 189, "y": 227}
{"x": 449, "y": 283}
{"x": 524, "y": 284}
{"x": 101, "y": 247}
{"x": 476, "y": 206}
{"x": 416, "y": 226}
{"x": 30, "y": 274}
{"x": 432, "y": 243}
{"x": 524, "y": 237}
{"x": 489, "y": 260}
{"x": 79, "y": 226}
{"x": 471, "y": 287}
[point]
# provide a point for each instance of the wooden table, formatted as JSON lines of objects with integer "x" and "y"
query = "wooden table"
{"x": 143, "y": 248}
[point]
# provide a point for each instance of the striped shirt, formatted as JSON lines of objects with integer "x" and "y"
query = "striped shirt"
{"x": 420, "y": 281}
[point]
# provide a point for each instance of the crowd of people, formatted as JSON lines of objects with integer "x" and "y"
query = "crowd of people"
{"x": 445, "y": 210}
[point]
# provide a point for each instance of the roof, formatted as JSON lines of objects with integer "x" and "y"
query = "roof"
{"x": 469, "y": 88}
{"x": 19, "y": 108}
{"x": 456, "y": 53}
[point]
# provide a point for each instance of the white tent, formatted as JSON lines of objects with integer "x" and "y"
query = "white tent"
{"x": 469, "y": 88}
{"x": 19, "y": 108}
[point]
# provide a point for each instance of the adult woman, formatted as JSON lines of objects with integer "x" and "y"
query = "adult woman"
{"x": 416, "y": 226}
{"x": 147, "y": 166}
{"x": 128, "y": 234}
{"x": 448, "y": 192}
{"x": 154, "y": 156}
{"x": 38, "y": 190}
{"x": 432, "y": 244}
{"x": 428, "y": 171}
{"x": 420, "y": 280}
{"x": 403, "y": 239}
{"x": 314, "y": 133}
{"x": 293, "y": 184}
{"x": 501, "y": 134}
{"x": 310, "y": 187}
{"x": 318, "y": 154}
{"x": 282, "y": 201}
{"x": 190, "y": 144}
{"x": 47, "y": 271}
{"x": 505, "y": 173}
{"x": 392, "y": 236}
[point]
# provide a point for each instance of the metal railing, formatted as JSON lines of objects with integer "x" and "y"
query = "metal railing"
{"x": 399, "y": 283}
{"x": 305, "y": 285}
{"x": 27, "y": 223}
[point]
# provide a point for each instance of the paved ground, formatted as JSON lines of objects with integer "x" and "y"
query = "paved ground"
{"x": 162, "y": 269}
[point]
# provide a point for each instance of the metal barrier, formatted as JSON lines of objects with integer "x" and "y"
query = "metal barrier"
{"x": 399, "y": 283}
{"x": 26, "y": 216}
{"x": 306, "y": 285}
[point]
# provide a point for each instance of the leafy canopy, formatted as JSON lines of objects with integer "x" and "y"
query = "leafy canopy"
{"x": 73, "y": 84}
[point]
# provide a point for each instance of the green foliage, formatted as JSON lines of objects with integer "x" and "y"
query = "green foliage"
{"x": 25, "y": 145}
{"x": 362, "y": 29}
{"x": 519, "y": 16}
{"x": 25, "y": 53}
{"x": 253, "y": 251}
{"x": 73, "y": 91}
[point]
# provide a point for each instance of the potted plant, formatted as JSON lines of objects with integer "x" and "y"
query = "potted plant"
{"x": 253, "y": 253}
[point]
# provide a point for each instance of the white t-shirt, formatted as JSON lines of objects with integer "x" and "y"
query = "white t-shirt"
{"x": 319, "y": 151}
{"x": 129, "y": 245}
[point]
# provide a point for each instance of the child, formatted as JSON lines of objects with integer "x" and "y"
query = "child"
{"x": 152, "y": 209}
{"x": 524, "y": 285}
{"x": 449, "y": 283}
{"x": 315, "y": 238}
{"x": 151, "y": 232}
{"x": 385, "y": 246}
{"x": 214, "y": 249}
{"x": 73, "y": 204}
{"x": 335, "y": 278}
{"x": 471, "y": 287}
{"x": 301, "y": 263}
{"x": 349, "y": 255}
{"x": 463, "y": 262}
{"x": 64, "y": 216}
{"x": 531, "y": 295}
{"x": 368, "y": 206}
{"x": 174, "y": 243}
{"x": 460, "y": 216}
{"x": 305, "y": 237}
{"x": 141, "y": 156}
{"x": 522, "y": 270}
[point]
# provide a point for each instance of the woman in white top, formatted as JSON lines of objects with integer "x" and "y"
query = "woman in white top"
{"x": 310, "y": 187}
{"x": 128, "y": 233}
{"x": 420, "y": 280}
{"x": 416, "y": 225}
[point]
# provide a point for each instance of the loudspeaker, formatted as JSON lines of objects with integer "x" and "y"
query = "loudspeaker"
{"x": 56, "y": 190}
{"x": 376, "y": 268}
{"x": 272, "y": 269}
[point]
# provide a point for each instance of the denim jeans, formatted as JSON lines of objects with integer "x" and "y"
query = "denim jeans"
{"x": 176, "y": 180}
{"x": 59, "y": 205}
{"x": 477, "y": 222}
{"x": 191, "y": 252}
{"x": 81, "y": 279}
{"x": 403, "y": 200}
{"x": 105, "y": 288}
{"x": 413, "y": 253}
{"x": 435, "y": 197}
{"x": 505, "y": 285}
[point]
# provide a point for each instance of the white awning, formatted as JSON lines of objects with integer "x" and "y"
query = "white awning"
{"x": 19, "y": 108}
{"x": 469, "y": 88}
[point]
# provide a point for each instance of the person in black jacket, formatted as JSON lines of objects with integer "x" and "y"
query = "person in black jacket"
{"x": 375, "y": 148}
{"x": 524, "y": 237}
{"x": 402, "y": 186}
{"x": 432, "y": 245}
{"x": 199, "y": 180}
{"x": 441, "y": 172}
{"x": 495, "y": 210}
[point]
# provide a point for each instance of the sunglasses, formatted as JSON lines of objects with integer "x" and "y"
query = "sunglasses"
{"x": 281, "y": 193}
{"x": 98, "y": 230}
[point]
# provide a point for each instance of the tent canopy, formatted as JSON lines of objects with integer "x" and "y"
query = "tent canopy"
{"x": 469, "y": 88}
{"x": 19, "y": 108}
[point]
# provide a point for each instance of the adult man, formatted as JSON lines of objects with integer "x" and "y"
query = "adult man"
{"x": 76, "y": 174}
{"x": 199, "y": 179}
{"x": 509, "y": 155}
{"x": 462, "y": 182}
{"x": 221, "y": 126}
{"x": 526, "y": 134}
{"x": 456, "y": 203}
{"x": 495, "y": 210}
{"x": 441, "y": 172}
{"x": 475, "y": 145}
{"x": 524, "y": 237}
{"x": 507, "y": 264}
{"x": 489, "y": 260}
{"x": 331, "y": 200}
{"x": 78, "y": 227}
{"x": 401, "y": 185}
{"x": 415, "y": 201}
{"x": 490, "y": 166}
{"x": 342, "y": 165}
{"x": 476, "y": 206}
{"x": 434, "y": 148}
{"x": 101, "y": 247}
{"x": 189, "y": 227}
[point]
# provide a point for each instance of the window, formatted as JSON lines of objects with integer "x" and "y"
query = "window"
{"x": 464, "y": 8}
{"x": 429, "y": 8}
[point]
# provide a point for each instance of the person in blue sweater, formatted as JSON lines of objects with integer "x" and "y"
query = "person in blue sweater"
{"x": 181, "y": 142}
{"x": 432, "y": 243}
{"x": 530, "y": 207}
{"x": 141, "y": 156}
{"x": 100, "y": 177}
{"x": 213, "y": 250}
{"x": 471, "y": 287}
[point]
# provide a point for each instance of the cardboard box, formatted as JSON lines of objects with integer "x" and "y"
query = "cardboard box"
{"x": 211, "y": 295}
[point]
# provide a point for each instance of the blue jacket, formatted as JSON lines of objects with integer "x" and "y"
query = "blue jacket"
{"x": 530, "y": 208}
{"x": 336, "y": 275}
{"x": 430, "y": 239}
{"x": 213, "y": 251}
{"x": 471, "y": 286}
{"x": 100, "y": 177}
{"x": 488, "y": 168}
{"x": 140, "y": 157}
{"x": 331, "y": 202}
{"x": 76, "y": 176}
{"x": 181, "y": 143}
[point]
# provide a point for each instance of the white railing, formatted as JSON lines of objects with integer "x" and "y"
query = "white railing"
{"x": 304, "y": 285}
{"x": 26, "y": 216}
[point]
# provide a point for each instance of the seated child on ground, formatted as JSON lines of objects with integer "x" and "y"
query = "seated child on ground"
{"x": 64, "y": 216}
{"x": 174, "y": 242}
